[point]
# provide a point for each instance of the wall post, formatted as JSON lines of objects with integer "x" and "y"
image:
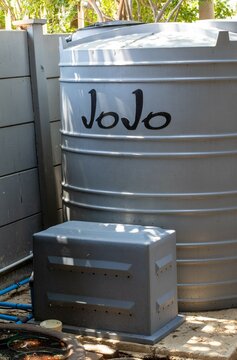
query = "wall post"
{"x": 47, "y": 181}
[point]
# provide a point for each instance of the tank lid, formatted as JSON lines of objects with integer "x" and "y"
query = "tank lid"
{"x": 149, "y": 43}
{"x": 115, "y": 23}
{"x": 100, "y": 27}
{"x": 170, "y": 35}
{"x": 223, "y": 24}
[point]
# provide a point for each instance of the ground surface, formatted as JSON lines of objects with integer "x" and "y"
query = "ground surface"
{"x": 206, "y": 335}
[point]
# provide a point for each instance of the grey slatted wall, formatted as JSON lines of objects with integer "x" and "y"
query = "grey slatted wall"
{"x": 20, "y": 214}
{"x": 20, "y": 208}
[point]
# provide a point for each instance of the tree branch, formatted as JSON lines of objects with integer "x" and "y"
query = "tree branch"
{"x": 96, "y": 9}
{"x": 128, "y": 10}
{"x": 176, "y": 9}
{"x": 120, "y": 10}
{"x": 162, "y": 11}
{"x": 7, "y": 6}
{"x": 153, "y": 8}
{"x": 138, "y": 10}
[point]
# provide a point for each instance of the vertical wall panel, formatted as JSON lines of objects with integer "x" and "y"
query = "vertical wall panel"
{"x": 15, "y": 100}
{"x": 53, "y": 98}
{"x": 58, "y": 176}
{"x": 51, "y": 43}
{"x": 56, "y": 141}
{"x": 14, "y": 54}
{"x": 17, "y": 236}
{"x": 19, "y": 196}
{"x": 17, "y": 148}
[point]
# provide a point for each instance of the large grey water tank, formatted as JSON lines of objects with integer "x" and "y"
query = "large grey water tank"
{"x": 149, "y": 136}
{"x": 223, "y": 24}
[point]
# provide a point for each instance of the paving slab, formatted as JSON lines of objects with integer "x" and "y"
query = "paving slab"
{"x": 107, "y": 352}
{"x": 93, "y": 356}
{"x": 204, "y": 335}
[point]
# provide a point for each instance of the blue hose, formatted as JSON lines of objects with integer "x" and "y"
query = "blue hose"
{"x": 8, "y": 305}
{"x": 14, "y": 286}
{"x": 9, "y": 317}
{"x": 25, "y": 319}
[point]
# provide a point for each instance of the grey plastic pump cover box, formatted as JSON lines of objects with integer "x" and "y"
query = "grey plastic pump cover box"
{"x": 117, "y": 280}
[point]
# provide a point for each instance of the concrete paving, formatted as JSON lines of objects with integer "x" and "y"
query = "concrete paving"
{"x": 206, "y": 335}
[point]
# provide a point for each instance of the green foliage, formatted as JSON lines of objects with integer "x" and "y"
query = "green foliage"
{"x": 59, "y": 13}
{"x": 2, "y": 19}
{"x": 142, "y": 11}
{"x": 222, "y": 10}
{"x": 188, "y": 12}
{"x": 109, "y": 7}
{"x": 62, "y": 14}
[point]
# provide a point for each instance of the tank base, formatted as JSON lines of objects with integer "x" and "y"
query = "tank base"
{"x": 123, "y": 336}
{"x": 207, "y": 305}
